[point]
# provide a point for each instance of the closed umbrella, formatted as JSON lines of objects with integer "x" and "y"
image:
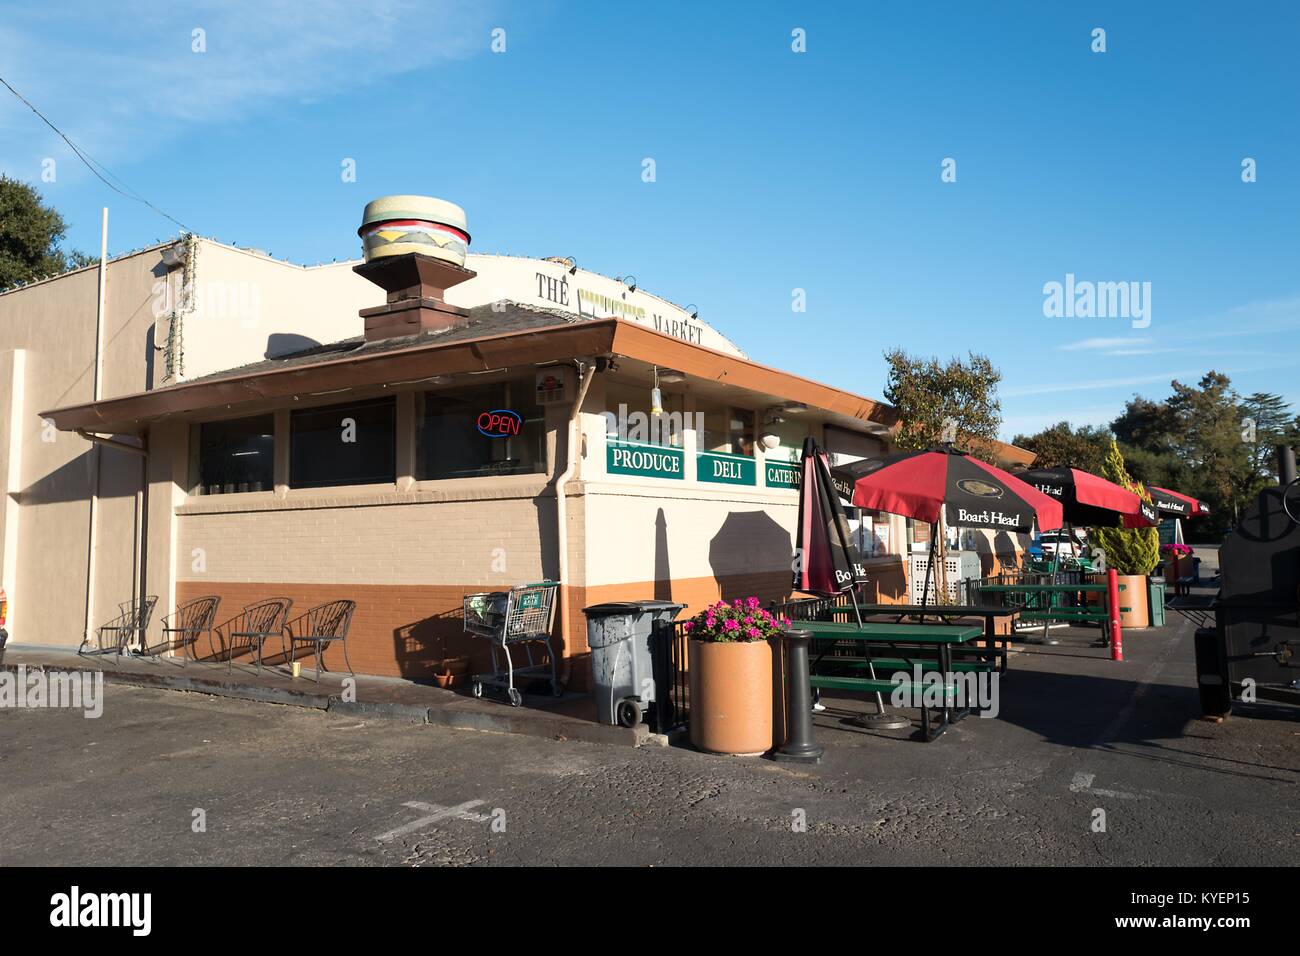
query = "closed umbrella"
{"x": 829, "y": 562}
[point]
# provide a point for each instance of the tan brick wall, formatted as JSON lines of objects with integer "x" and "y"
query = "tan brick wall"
{"x": 406, "y": 540}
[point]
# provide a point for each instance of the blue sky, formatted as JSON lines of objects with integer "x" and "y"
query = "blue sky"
{"x": 775, "y": 170}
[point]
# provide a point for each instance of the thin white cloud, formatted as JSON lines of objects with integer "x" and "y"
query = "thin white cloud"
{"x": 1096, "y": 344}
{"x": 1087, "y": 384}
{"x": 122, "y": 77}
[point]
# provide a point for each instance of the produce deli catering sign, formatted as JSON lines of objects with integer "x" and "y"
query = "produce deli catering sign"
{"x": 538, "y": 282}
{"x": 658, "y": 461}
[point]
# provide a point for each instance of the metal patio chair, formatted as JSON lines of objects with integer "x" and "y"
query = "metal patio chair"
{"x": 132, "y": 618}
{"x": 256, "y": 623}
{"x": 321, "y": 625}
{"x": 187, "y": 622}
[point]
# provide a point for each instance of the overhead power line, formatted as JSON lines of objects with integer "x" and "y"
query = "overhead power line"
{"x": 93, "y": 165}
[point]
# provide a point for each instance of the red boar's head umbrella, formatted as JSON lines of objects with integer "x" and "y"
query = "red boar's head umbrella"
{"x": 1089, "y": 501}
{"x": 945, "y": 481}
{"x": 1177, "y": 504}
{"x": 968, "y": 492}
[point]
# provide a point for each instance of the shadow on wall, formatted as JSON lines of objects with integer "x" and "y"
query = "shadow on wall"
{"x": 280, "y": 344}
{"x": 438, "y": 643}
{"x": 746, "y": 553}
{"x": 663, "y": 570}
{"x": 119, "y": 477}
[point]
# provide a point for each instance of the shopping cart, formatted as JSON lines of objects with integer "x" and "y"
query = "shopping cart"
{"x": 521, "y": 616}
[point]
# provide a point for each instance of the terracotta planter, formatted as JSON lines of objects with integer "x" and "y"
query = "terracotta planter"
{"x": 1135, "y": 597}
{"x": 731, "y": 697}
{"x": 1173, "y": 569}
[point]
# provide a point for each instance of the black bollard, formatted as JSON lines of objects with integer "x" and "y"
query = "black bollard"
{"x": 799, "y": 745}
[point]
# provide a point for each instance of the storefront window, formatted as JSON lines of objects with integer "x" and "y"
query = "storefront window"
{"x": 492, "y": 429}
{"x": 236, "y": 455}
{"x": 350, "y": 444}
{"x": 629, "y": 418}
{"x": 728, "y": 430}
{"x": 791, "y": 433}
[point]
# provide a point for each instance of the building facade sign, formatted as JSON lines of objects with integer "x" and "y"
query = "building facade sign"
{"x": 647, "y": 461}
{"x": 549, "y": 285}
{"x": 782, "y": 474}
{"x": 725, "y": 469}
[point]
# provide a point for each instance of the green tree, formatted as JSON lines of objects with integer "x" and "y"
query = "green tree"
{"x": 935, "y": 401}
{"x": 30, "y": 232}
{"x": 1064, "y": 446}
{"x": 1207, "y": 436}
{"x": 1267, "y": 422}
{"x": 1128, "y": 550}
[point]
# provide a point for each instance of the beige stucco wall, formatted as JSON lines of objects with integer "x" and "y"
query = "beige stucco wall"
{"x": 53, "y": 324}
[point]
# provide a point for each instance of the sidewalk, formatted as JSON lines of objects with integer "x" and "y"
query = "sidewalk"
{"x": 572, "y": 717}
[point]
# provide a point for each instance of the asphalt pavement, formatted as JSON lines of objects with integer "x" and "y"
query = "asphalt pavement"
{"x": 1089, "y": 762}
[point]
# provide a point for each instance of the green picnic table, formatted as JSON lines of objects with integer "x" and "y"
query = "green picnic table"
{"x": 1038, "y": 607}
{"x": 940, "y": 637}
{"x": 994, "y": 643}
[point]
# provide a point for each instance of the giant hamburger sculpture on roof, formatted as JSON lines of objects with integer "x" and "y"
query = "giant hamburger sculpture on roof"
{"x": 396, "y": 225}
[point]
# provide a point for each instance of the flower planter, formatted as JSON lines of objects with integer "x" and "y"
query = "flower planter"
{"x": 731, "y": 687}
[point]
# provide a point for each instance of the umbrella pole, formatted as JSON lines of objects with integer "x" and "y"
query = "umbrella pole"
{"x": 1056, "y": 566}
{"x": 881, "y": 719}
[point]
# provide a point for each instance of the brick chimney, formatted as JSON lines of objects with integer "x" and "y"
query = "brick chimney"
{"x": 416, "y": 285}
{"x": 415, "y": 248}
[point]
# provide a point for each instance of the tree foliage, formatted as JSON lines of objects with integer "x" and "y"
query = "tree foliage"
{"x": 1064, "y": 446}
{"x": 30, "y": 232}
{"x": 1128, "y": 550}
{"x": 937, "y": 401}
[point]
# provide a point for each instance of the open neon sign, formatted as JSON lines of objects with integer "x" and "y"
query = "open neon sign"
{"x": 500, "y": 423}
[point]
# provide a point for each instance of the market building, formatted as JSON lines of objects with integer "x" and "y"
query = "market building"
{"x": 208, "y": 420}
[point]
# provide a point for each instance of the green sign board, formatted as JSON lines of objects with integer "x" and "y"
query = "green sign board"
{"x": 782, "y": 474}
{"x": 725, "y": 469}
{"x": 649, "y": 461}
{"x": 1169, "y": 531}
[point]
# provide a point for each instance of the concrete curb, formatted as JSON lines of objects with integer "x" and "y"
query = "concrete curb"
{"x": 455, "y": 713}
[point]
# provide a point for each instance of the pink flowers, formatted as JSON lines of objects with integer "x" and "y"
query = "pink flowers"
{"x": 738, "y": 620}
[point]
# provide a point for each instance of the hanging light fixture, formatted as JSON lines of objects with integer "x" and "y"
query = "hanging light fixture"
{"x": 656, "y": 396}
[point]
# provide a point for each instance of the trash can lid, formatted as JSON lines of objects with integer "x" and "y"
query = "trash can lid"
{"x": 630, "y": 607}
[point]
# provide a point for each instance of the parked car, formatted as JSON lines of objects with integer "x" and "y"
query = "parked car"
{"x": 1047, "y": 543}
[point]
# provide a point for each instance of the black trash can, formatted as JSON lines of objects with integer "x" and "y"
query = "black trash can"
{"x": 622, "y": 664}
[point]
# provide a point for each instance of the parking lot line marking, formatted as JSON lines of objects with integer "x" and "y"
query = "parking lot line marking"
{"x": 436, "y": 813}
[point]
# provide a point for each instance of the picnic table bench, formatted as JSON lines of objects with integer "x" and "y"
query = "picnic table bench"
{"x": 941, "y": 638}
{"x": 994, "y": 642}
{"x": 1038, "y": 606}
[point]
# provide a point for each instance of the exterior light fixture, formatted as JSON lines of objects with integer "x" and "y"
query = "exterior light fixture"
{"x": 671, "y": 377}
{"x": 694, "y": 310}
{"x": 770, "y": 441}
{"x": 656, "y": 396}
